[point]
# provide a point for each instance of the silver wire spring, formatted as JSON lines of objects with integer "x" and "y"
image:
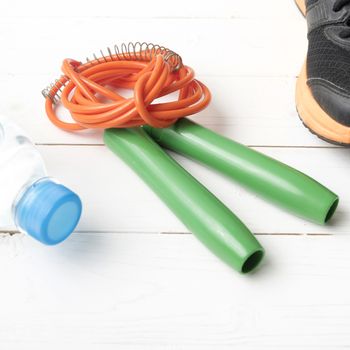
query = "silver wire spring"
{"x": 137, "y": 51}
{"x": 54, "y": 90}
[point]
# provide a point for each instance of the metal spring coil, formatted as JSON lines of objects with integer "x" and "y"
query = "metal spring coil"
{"x": 128, "y": 52}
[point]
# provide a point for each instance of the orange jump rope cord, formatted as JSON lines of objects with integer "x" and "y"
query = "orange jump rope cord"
{"x": 89, "y": 92}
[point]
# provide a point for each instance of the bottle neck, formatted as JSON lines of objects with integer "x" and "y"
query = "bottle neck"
{"x": 32, "y": 182}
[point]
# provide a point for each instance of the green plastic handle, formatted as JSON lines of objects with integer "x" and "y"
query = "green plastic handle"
{"x": 201, "y": 212}
{"x": 287, "y": 187}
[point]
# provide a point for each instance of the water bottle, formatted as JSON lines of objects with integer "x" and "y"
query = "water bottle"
{"x": 35, "y": 203}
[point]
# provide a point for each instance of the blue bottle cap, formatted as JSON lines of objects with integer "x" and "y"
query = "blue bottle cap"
{"x": 48, "y": 211}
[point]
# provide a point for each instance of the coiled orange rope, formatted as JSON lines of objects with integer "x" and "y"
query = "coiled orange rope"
{"x": 89, "y": 92}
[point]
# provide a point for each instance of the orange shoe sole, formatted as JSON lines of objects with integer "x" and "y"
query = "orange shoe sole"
{"x": 311, "y": 113}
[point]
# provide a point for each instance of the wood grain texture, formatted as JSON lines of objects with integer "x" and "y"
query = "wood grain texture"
{"x": 132, "y": 277}
{"x": 229, "y": 9}
{"x": 125, "y": 291}
{"x": 212, "y": 46}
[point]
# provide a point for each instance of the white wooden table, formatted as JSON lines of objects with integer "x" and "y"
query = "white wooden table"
{"x": 132, "y": 277}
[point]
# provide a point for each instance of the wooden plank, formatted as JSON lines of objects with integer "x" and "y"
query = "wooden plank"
{"x": 115, "y": 199}
{"x": 251, "y": 110}
{"x": 108, "y": 291}
{"x": 150, "y": 9}
{"x": 251, "y": 46}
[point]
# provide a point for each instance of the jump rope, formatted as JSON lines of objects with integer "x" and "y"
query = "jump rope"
{"x": 151, "y": 71}
{"x": 136, "y": 129}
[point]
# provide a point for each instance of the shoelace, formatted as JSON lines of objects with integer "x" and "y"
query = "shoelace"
{"x": 338, "y": 5}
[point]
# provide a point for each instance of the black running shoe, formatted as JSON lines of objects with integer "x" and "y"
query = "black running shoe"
{"x": 323, "y": 87}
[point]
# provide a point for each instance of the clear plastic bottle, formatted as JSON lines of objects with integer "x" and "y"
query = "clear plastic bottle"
{"x": 37, "y": 204}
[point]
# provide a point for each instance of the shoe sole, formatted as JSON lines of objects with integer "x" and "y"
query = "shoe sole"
{"x": 310, "y": 112}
